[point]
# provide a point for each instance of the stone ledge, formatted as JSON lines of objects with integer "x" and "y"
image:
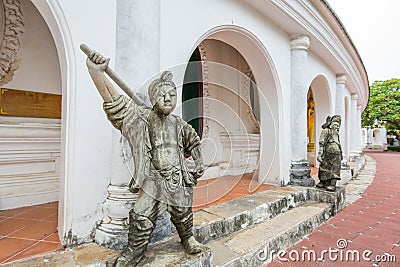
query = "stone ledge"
{"x": 229, "y": 217}
{"x": 255, "y": 246}
{"x": 226, "y": 221}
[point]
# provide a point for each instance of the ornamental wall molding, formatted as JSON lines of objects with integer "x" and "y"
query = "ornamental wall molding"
{"x": 326, "y": 35}
{"x": 12, "y": 31}
{"x": 206, "y": 91}
{"x": 248, "y": 79}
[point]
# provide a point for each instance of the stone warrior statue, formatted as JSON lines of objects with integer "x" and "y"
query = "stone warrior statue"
{"x": 158, "y": 141}
{"x": 329, "y": 154}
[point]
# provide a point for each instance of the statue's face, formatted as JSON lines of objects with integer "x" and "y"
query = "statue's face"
{"x": 166, "y": 99}
{"x": 335, "y": 126}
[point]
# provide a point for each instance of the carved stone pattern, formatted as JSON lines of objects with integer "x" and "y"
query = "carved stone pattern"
{"x": 246, "y": 98}
{"x": 13, "y": 31}
{"x": 206, "y": 92}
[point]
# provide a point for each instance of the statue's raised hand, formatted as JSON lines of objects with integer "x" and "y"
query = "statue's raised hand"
{"x": 97, "y": 62}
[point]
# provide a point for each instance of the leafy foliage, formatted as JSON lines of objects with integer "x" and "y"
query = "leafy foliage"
{"x": 394, "y": 148}
{"x": 384, "y": 105}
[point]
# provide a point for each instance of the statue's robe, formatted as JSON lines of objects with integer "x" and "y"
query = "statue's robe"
{"x": 331, "y": 156}
{"x": 132, "y": 121}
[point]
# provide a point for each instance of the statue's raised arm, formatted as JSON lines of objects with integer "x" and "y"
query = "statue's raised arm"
{"x": 97, "y": 66}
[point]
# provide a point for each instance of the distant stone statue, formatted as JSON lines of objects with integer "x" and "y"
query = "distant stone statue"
{"x": 158, "y": 141}
{"x": 329, "y": 154}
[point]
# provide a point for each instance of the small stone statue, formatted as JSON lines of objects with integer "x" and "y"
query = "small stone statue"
{"x": 158, "y": 141}
{"x": 329, "y": 154}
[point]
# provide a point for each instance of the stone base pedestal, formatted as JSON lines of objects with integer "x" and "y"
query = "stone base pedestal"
{"x": 355, "y": 156}
{"x": 112, "y": 232}
{"x": 300, "y": 174}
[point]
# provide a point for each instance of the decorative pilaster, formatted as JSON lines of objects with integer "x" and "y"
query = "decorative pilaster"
{"x": 354, "y": 132}
{"x": 112, "y": 231}
{"x": 359, "y": 128}
{"x": 299, "y": 170}
{"x": 339, "y": 107}
{"x": 137, "y": 61}
{"x": 339, "y": 110}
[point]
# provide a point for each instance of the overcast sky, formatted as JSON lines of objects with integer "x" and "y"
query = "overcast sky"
{"x": 374, "y": 27}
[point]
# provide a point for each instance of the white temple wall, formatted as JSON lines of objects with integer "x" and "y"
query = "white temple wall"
{"x": 86, "y": 154}
{"x": 273, "y": 48}
{"x": 92, "y": 155}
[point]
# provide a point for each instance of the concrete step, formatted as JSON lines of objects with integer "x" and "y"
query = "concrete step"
{"x": 256, "y": 245}
{"x": 229, "y": 217}
{"x": 234, "y": 231}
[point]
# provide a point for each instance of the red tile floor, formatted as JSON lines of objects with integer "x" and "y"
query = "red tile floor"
{"x": 29, "y": 231}
{"x": 218, "y": 190}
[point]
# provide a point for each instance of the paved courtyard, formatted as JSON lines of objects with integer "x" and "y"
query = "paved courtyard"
{"x": 365, "y": 233}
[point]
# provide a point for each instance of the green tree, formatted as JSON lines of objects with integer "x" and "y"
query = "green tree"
{"x": 384, "y": 105}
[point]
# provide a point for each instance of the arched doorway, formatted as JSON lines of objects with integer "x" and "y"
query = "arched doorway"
{"x": 192, "y": 93}
{"x": 319, "y": 106}
{"x": 30, "y": 110}
{"x": 56, "y": 22}
{"x": 37, "y": 91}
{"x": 234, "y": 107}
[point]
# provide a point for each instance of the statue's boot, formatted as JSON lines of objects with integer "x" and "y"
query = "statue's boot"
{"x": 140, "y": 229}
{"x": 321, "y": 184}
{"x": 184, "y": 227}
{"x": 332, "y": 186}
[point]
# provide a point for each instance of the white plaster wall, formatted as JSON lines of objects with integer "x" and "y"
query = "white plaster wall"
{"x": 86, "y": 133}
{"x": 92, "y": 133}
{"x": 39, "y": 69}
{"x": 268, "y": 55}
{"x": 318, "y": 67}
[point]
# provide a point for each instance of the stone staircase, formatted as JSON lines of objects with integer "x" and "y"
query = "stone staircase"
{"x": 242, "y": 232}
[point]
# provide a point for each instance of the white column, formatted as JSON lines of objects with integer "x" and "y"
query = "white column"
{"x": 384, "y": 135}
{"x": 359, "y": 128}
{"x": 354, "y": 132}
{"x": 137, "y": 62}
{"x": 138, "y": 42}
{"x": 340, "y": 110}
{"x": 299, "y": 171}
{"x": 339, "y": 107}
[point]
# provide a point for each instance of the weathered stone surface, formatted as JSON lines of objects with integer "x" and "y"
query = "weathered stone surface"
{"x": 171, "y": 253}
{"x": 226, "y": 218}
{"x": 253, "y": 246}
{"x": 300, "y": 174}
{"x": 85, "y": 255}
{"x": 336, "y": 199}
{"x": 163, "y": 254}
{"x": 359, "y": 184}
{"x": 223, "y": 219}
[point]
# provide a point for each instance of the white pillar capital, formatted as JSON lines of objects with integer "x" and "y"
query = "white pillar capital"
{"x": 299, "y": 42}
{"x": 341, "y": 79}
{"x": 354, "y": 96}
